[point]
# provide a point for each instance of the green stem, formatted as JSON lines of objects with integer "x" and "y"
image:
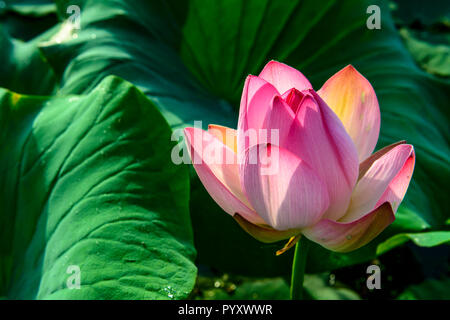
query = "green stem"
{"x": 298, "y": 268}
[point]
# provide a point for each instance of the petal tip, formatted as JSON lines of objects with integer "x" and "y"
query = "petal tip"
{"x": 349, "y": 236}
{"x": 350, "y": 69}
{"x": 284, "y": 77}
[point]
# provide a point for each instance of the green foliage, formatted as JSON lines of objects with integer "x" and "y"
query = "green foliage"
{"x": 316, "y": 287}
{"x": 245, "y": 289}
{"x": 190, "y": 59}
{"x": 87, "y": 180}
{"x": 415, "y": 11}
{"x": 433, "y": 57}
{"x": 424, "y": 239}
{"x": 136, "y": 41}
{"x": 431, "y": 289}
{"x": 23, "y": 70}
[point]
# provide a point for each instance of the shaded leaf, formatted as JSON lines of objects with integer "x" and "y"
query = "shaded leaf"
{"x": 318, "y": 288}
{"x": 431, "y": 289}
{"x": 411, "y": 11}
{"x": 136, "y": 41}
{"x": 254, "y": 289}
{"x": 26, "y": 19}
{"x": 432, "y": 57}
{"x": 23, "y": 69}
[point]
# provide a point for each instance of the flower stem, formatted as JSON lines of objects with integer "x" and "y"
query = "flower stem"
{"x": 298, "y": 268}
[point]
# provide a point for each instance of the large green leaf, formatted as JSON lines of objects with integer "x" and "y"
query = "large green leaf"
{"x": 86, "y": 180}
{"x": 155, "y": 43}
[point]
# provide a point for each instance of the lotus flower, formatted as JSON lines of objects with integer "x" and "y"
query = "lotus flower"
{"x": 327, "y": 186}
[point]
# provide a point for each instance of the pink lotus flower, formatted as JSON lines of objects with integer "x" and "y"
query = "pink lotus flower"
{"x": 328, "y": 185}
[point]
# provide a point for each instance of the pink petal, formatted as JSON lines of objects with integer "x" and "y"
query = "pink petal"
{"x": 284, "y": 77}
{"x": 286, "y": 193}
{"x": 217, "y": 168}
{"x": 280, "y": 121}
{"x": 353, "y": 99}
{"x": 386, "y": 180}
{"x": 293, "y": 98}
{"x": 366, "y": 164}
{"x": 396, "y": 191}
{"x": 345, "y": 237}
{"x": 318, "y": 137}
{"x": 256, "y": 103}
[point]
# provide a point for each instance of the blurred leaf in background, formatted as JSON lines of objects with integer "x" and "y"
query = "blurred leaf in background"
{"x": 425, "y": 30}
{"x": 316, "y": 287}
{"x": 23, "y": 69}
{"x": 432, "y": 52}
{"x": 23, "y": 25}
{"x": 27, "y": 19}
{"x": 429, "y": 290}
{"x": 410, "y": 12}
